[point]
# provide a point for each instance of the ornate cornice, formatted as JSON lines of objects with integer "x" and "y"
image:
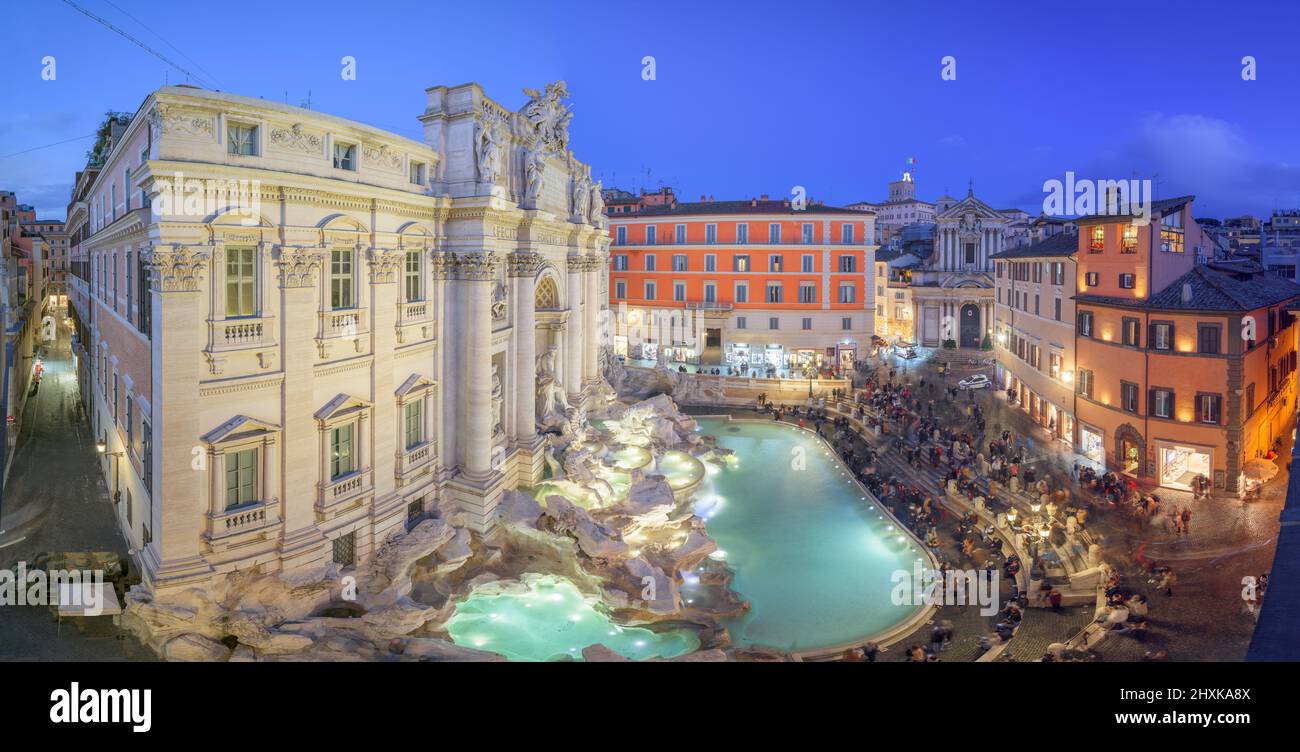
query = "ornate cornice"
{"x": 177, "y": 268}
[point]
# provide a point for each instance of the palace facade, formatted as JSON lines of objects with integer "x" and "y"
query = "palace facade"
{"x": 299, "y": 333}
{"x": 753, "y": 285}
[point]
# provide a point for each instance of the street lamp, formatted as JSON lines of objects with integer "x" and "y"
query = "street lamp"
{"x": 101, "y": 447}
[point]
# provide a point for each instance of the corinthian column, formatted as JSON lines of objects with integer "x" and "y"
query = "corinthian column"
{"x": 573, "y": 336}
{"x": 476, "y": 271}
{"x": 523, "y": 268}
{"x": 590, "y": 324}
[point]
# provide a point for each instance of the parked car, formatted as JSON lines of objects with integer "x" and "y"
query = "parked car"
{"x": 978, "y": 381}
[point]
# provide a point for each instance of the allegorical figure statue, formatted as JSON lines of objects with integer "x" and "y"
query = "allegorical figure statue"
{"x": 488, "y": 148}
{"x": 551, "y": 400}
{"x": 596, "y": 209}
{"x": 534, "y": 172}
{"x": 498, "y": 403}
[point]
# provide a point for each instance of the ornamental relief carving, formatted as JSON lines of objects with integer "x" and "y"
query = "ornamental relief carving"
{"x": 524, "y": 264}
{"x": 167, "y": 119}
{"x": 299, "y": 267}
{"x": 296, "y": 139}
{"x": 384, "y": 266}
{"x": 380, "y": 155}
{"x": 177, "y": 268}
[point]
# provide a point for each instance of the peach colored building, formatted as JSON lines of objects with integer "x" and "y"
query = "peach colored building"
{"x": 749, "y": 285}
{"x": 1185, "y": 365}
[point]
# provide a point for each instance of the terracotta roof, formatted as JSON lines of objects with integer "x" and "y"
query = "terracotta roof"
{"x": 1158, "y": 209}
{"x": 1060, "y": 244}
{"x": 1212, "y": 290}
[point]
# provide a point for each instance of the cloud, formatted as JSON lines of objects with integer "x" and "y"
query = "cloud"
{"x": 1208, "y": 157}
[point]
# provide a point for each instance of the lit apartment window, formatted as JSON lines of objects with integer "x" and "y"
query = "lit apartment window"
{"x": 414, "y": 424}
{"x": 413, "y": 291}
{"x": 1131, "y": 328}
{"x": 341, "y": 279}
{"x": 807, "y": 293}
{"x": 241, "y": 140}
{"x": 1128, "y": 396}
{"x": 345, "y": 156}
{"x": 417, "y": 173}
{"x": 1098, "y": 241}
{"x": 774, "y": 263}
{"x": 1129, "y": 243}
{"x": 1127, "y": 281}
{"x": 1085, "y": 382}
{"x": 740, "y": 263}
{"x": 1162, "y": 336}
{"x": 342, "y": 459}
{"x": 742, "y": 233}
{"x": 1208, "y": 408}
{"x": 241, "y": 478}
{"x": 1085, "y": 323}
{"x": 1092, "y": 279}
{"x": 710, "y": 234}
{"x": 1058, "y": 273}
{"x": 241, "y": 282}
{"x": 1171, "y": 233}
{"x": 1162, "y": 403}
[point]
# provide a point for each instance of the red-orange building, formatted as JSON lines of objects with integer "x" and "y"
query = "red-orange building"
{"x": 1185, "y": 365}
{"x": 747, "y": 284}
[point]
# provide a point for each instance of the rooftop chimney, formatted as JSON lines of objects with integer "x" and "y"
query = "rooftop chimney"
{"x": 753, "y": 202}
{"x": 710, "y": 198}
{"x": 763, "y": 197}
{"x": 703, "y": 198}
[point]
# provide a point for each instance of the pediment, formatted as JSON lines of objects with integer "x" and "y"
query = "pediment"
{"x": 414, "y": 385}
{"x": 239, "y": 428}
{"x": 342, "y": 406}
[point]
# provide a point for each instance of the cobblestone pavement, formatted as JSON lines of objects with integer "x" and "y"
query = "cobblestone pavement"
{"x": 55, "y": 502}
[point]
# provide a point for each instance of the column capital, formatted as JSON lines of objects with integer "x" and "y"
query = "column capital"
{"x": 474, "y": 266}
{"x": 524, "y": 263}
{"x": 177, "y": 268}
{"x": 384, "y": 265}
{"x": 299, "y": 267}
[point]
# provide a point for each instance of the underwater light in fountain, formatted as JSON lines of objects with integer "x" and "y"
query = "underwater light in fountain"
{"x": 545, "y": 617}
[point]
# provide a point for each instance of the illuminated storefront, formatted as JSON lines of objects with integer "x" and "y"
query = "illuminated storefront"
{"x": 1179, "y": 464}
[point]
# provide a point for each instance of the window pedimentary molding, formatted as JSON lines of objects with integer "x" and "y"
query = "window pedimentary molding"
{"x": 236, "y": 436}
{"x": 415, "y": 387}
{"x": 342, "y": 409}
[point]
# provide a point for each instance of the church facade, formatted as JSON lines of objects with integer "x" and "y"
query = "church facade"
{"x": 952, "y": 289}
{"x": 301, "y": 333}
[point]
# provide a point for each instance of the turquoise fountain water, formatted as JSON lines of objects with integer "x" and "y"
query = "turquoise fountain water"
{"x": 547, "y": 617}
{"x": 812, "y": 556}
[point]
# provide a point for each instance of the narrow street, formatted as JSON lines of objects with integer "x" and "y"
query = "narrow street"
{"x": 56, "y": 502}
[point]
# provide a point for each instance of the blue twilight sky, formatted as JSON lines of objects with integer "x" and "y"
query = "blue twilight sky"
{"x": 750, "y": 97}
